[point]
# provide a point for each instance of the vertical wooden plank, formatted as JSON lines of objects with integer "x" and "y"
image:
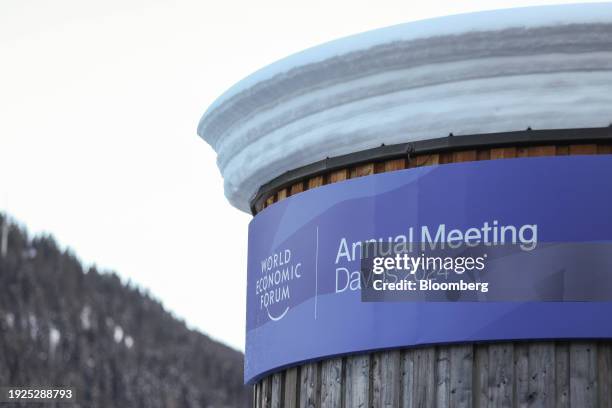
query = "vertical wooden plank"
{"x": 391, "y": 377}
{"x": 461, "y": 375}
{"x": 296, "y": 188}
{"x": 522, "y": 151}
{"x": 315, "y": 182}
{"x": 377, "y": 380}
{"x": 503, "y": 153}
{"x": 379, "y": 167}
{"x": 521, "y": 374}
{"x": 424, "y": 160}
{"x": 501, "y": 375}
{"x": 484, "y": 154}
{"x": 309, "y": 385}
{"x": 583, "y": 375}
{"x": 407, "y": 380}
{"x": 393, "y": 165}
{"x": 331, "y": 383}
{"x": 269, "y": 201}
{"x": 604, "y": 149}
{"x": 282, "y": 194}
{"x": 480, "y": 375}
{"x": 465, "y": 156}
{"x": 339, "y": 175}
{"x": 424, "y": 377}
{"x": 446, "y": 157}
{"x": 562, "y": 150}
{"x": 276, "y": 399}
{"x": 538, "y": 151}
{"x": 257, "y": 395}
{"x": 386, "y": 379}
{"x": 442, "y": 377}
{"x": 362, "y": 170}
{"x": 357, "y": 381}
{"x": 542, "y": 374}
{"x": 291, "y": 388}
{"x": 266, "y": 392}
{"x": 583, "y": 149}
{"x": 604, "y": 367}
{"x": 562, "y": 381}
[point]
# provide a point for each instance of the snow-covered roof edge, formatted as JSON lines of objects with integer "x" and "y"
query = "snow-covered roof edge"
{"x": 535, "y": 16}
{"x": 251, "y": 104}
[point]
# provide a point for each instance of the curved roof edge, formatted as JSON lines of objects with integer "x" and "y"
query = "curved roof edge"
{"x": 493, "y": 71}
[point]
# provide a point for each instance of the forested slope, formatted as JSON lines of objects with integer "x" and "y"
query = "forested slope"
{"x": 116, "y": 345}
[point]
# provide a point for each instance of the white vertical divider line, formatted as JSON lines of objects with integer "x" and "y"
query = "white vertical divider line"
{"x": 316, "y": 271}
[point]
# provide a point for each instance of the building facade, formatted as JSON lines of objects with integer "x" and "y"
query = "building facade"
{"x": 404, "y": 129}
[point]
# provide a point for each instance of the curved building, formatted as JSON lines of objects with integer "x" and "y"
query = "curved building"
{"x": 397, "y": 135}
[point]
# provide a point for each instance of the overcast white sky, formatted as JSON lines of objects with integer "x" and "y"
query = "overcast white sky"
{"x": 99, "y": 103}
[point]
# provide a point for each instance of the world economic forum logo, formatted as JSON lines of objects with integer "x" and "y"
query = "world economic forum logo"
{"x": 273, "y": 287}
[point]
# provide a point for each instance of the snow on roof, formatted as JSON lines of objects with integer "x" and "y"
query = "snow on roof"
{"x": 539, "y": 67}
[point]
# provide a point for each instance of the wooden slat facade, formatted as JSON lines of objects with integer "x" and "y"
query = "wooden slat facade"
{"x": 496, "y": 374}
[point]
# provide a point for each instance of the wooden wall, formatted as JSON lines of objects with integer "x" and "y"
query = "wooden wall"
{"x": 507, "y": 374}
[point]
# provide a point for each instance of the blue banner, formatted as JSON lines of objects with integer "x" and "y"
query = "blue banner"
{"x": 304, "y": 265}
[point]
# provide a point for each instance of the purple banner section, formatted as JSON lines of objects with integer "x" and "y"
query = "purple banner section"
{"x": 304, "y": 289}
